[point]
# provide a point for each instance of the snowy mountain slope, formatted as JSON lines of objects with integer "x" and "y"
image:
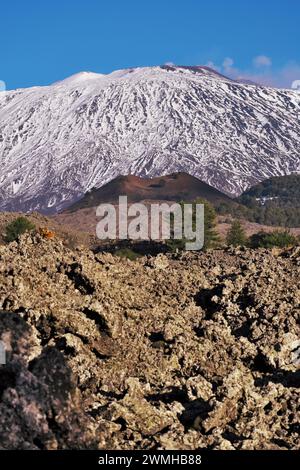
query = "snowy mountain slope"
{"x": 59, "y": 141}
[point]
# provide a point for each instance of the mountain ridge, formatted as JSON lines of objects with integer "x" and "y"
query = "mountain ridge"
{"x": 59, "y": 141}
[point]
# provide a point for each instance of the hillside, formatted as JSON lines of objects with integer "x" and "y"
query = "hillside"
{"x": 68, "y": 234}
{"x": 282, "y": 190}
{"x": 274, "y": 201}
{"x": 176, "y": 187}
{"x": 57, "y": 142}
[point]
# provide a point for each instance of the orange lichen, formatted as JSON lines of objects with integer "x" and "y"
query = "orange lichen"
{"x": 46, "y": 233}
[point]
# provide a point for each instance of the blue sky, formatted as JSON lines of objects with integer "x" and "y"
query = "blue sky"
{"x": 45, "y": 41}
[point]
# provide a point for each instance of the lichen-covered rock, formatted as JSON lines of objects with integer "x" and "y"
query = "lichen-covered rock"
{"x": 173, "y": 352}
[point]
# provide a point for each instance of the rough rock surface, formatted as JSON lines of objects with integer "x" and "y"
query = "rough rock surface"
{"x": 199, "y": 350}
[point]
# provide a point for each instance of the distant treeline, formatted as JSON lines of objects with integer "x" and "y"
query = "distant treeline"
{"x": 275, "y": 201}
{"x": 268, "y": 214}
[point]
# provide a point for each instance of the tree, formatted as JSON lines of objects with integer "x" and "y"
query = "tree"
{"x": 16, "y": 228}
{"x": 277, "y": 238}
{"x": 236, "y": 235}
{"x": 211, "y": 238}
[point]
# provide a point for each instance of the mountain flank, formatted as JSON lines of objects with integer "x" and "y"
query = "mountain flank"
{"x": 57, "y": 142}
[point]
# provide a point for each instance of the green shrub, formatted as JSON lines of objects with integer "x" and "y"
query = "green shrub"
{"x": 127, "y": 253}
{"x": 236, "y": 235}
{"x": 16, "y": 228}
{"x": 277, "y": 238}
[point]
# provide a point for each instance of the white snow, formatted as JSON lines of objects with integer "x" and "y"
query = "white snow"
{"x": 81, "y": 132}
{"x": 79, "y": 78}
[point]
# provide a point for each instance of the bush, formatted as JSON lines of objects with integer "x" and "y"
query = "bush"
{"x": 127, "y": 253}
{"x": 16, "y": 228}
{"x": 236, "y": 235}
{"x": 277, "y": 238}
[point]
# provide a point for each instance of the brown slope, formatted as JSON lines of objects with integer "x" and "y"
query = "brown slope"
{"x": 70, "y": 235}
{"x": 174, "y": 187}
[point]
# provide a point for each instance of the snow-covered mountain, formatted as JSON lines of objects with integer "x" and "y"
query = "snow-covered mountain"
{"x": 59, "y": 141}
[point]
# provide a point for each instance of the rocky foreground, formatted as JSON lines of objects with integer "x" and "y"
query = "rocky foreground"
{"x": 200, "y": 350}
